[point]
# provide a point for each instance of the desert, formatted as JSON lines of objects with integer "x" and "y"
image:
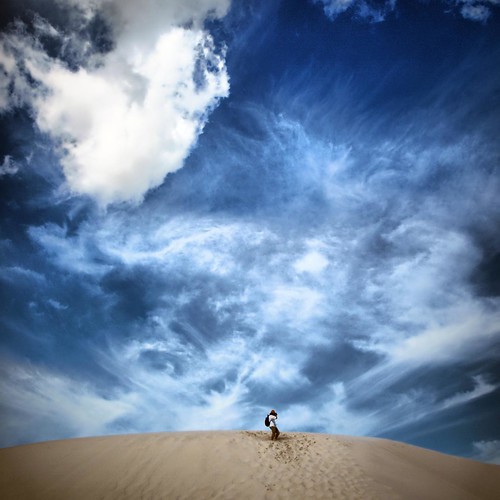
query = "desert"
{"x": 242, "y": 465}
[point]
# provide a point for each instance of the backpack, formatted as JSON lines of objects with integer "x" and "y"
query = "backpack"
{"x": 266, "y": 421}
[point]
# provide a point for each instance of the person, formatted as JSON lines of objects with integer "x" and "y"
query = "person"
{"x": 272, "y": 424}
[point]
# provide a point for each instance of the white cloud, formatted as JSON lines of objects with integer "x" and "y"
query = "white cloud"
{"x": 481, "y": 388}
{"x": 313, "y": 262}
{"x": 19, "y": 276}
{"x": 51, "y": 404}
{"x": 206, "y": 243}
{"x": 464, "y": 328}
{"x": 132, "y": 24}
{"x": 277, "y": 369}
{"x": 14, "y": 88}
{"x": 295, "y": 305}
{"x": 56, "y": 305}
{"x": 331, "y": 414}
{"x": 335, "y": 7}
{"x": 423, "y": 287}
{"x": 42, "y": 404}
{"x": 72, "y": 254}
{"x": 411, "y": 303}
{"x": 185, "y": 400}
{"x": 130, "y": 117}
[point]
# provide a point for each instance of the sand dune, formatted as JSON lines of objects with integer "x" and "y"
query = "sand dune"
{"x": 239, "y": 465}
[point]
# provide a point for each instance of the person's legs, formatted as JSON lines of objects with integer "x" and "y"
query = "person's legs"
{"x": 277, "y": 433}
{"x": 274, "y": 433}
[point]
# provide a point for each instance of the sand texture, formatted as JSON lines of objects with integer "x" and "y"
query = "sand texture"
{"x": 239, "y": 465}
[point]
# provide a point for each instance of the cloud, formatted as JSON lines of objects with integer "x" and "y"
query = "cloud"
{"x": 332, "y": 414}
{"x": 14, "y": 88}
{"x": 363, "y": 9}
{"x": 276, "y": 371}
{"x": 477, "y": 10}
{"x": 211, "y": 372}
{"x": 487, "y": 451}
{"x": 8, "y": 167}
{"x": 292, "y": 305}
{"x": 322, "y": 274}
{"x": 124, "y": 119}
{"x": 313, "y": 262}
{"x": 206, "y": 391}
{"x": 42, "y": 404}
{"x": 481, "y": 388}
{"x": 474, "y": 10}
{"x": 335, "y": 7}
{"x": 15, "y": 275}
{"x": 71, "y": 254}
{"x": 464, "y": 328}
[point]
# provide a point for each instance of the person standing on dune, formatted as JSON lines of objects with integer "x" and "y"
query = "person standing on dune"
{"x": 272, "y": 424}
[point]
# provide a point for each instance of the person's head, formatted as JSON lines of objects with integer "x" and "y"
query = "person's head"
{"x": 273, "y": 412}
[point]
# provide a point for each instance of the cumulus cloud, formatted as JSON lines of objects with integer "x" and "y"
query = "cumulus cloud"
{"x": 125, "y": 119}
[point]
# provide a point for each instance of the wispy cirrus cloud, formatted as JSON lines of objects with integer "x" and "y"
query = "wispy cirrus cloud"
{"x": 48, "y": 405}
{"x": 481, "y": 388}
{"x": 255, "y": 288}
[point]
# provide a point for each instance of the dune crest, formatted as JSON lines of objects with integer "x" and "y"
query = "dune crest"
{"x": 239, "y": 464}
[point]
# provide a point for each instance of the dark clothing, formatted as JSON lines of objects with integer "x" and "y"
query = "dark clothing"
{"x": 274, "y": 432}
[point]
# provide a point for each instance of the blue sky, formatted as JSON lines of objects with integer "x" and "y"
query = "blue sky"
{"x": 211, "y": 209}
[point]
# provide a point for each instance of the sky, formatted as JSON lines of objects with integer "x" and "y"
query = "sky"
{"x": 214, "y": 208}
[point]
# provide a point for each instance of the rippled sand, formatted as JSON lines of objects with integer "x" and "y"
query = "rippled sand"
{"x": 239, "y": 465}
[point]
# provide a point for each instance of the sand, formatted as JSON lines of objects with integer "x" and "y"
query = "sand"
{"x": 239, "y": 465}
